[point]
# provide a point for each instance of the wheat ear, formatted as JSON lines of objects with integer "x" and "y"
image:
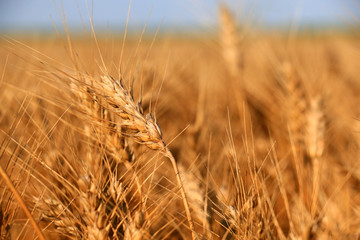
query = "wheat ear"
{"x": 229, "y": 40}
{"x": 315, "y": 143}
{"x": 296, "y": 107}
{"x": 296, "y": 120}
{"x": 97, "y": 225}
{"x": 142, "y": 128}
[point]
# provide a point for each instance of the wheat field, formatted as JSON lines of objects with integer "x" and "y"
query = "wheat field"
{"x": 233, "y": 135}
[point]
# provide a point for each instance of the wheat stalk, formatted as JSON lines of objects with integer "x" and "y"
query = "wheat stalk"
{"x": 196, "y": 197}
{"x": 134, "y": 124}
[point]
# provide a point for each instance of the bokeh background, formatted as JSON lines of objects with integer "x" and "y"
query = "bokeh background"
{"x": 42, "y": 15}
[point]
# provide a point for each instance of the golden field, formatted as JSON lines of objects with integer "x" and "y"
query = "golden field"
{"x": 239, "y": 135}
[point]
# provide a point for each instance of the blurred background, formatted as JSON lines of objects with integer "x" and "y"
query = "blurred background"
{"x": 38, "y": 16}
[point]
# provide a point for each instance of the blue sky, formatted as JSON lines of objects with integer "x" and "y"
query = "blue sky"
{"x": 35, "y": 15}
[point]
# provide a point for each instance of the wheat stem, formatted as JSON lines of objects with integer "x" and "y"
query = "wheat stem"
{"x": 169, "y": 155}
{"x": 21, "y": 202}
